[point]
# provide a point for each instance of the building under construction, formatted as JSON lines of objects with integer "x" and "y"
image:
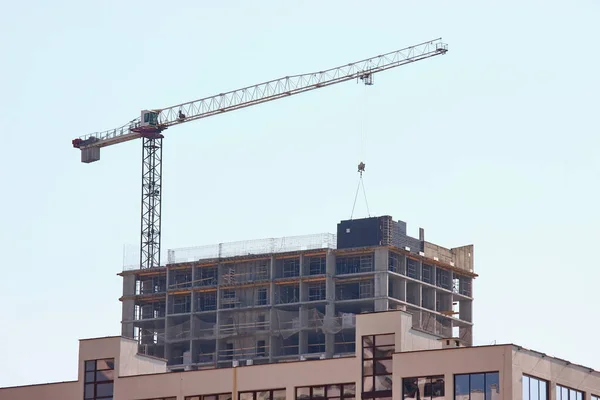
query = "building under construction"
{"x": 294, "y": 298}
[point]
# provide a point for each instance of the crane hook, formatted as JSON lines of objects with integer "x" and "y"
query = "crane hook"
{"x": 361, "y": 168}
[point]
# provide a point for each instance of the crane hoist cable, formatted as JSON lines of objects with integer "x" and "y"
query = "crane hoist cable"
{"x": 363, "y": 126}
{"x": 361, "y": 169}
{"x": 151, "y": 124}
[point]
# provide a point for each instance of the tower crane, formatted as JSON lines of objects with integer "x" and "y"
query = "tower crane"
{"x": 153, "y": 122}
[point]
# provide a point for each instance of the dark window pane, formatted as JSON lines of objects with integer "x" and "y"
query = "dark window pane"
{"x": 367, "y": 353}
{"x": 102, "y": 376}
{"x": 461, "y": 387}
{"x": 383, "y": 382}
{"x": 383, "y": 352}
{"x": 210, "y": 397}
{"x": 192, "y": 398}
{"x": 104, "y": 389}
{"x": 318, "y": 392}
{"x": 246, "y": 396}
{"x": 89, "y": 391}
{"x": 367, "y": 341}
{"x": 385, "y": 340}
{"x": 89, "y": 377}
{"x": 303, "y": 393}
{"x": 410, "y": 388}
{"x": 334, "y": 391}
{"x": 226, "y": 396}
{"x": 438, "y": 390}
{"x": 492, "y": 385}
{"x": 279, "y": 394}
{"x": 105, "y": 364}
{"x": 383, "y": 367}
{"x": 368, "y": 367}
{"x": 367, "y": 384}
{"x": 90, "y": 365}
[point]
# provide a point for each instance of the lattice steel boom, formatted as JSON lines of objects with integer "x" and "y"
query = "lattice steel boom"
{"x": 152, "y": 123}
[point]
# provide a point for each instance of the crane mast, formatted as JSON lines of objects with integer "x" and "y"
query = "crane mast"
{"x": 151, "y": 123}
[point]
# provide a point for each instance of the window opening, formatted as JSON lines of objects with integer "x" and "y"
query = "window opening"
{"x": 472, "y": 386}
{"x": 377, "y": 365}
{"x": 99, "y": 378}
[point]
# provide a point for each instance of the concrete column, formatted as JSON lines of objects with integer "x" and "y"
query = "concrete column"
{"x": 192, "y": 299}
{"x": 219, "y": 318}
{"x": 330, "y": 296}
{"x": 301, "y": 265}
{"x": 275, "y": 341}
{"x": 217, "y": 335}
{"x": 381, "y": 279}
{"x": 128, "y": 306}
{"x": 271, "y": 283}
{"x": 303, "y": 335}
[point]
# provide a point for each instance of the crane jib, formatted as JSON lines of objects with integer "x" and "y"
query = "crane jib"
{"x": 152, "y": 122}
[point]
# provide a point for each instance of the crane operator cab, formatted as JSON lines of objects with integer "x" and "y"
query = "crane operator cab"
{"x": 149, "y": 126}
{"x": 149, "y": 118}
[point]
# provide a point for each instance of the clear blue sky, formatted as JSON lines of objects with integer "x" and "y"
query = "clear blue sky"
{"x": 493, "y": 144}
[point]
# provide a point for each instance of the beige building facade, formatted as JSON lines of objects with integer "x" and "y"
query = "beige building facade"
{"x": 393, "y": 360}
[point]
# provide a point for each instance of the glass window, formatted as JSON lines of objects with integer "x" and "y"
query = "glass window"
{"x": 377, "y": 365}
{"x": 479, "y": 386}
{"x": 423, "y": 388}
{"x": 89, "y": 377}
{"x": 222, "y": 396}
{"x": 99, "y": 377}
{"x": 104, "y": 389}
{"x": 277, "y": 394}
{"x": 385, "y": 340}
{"x": 334, "y": 392}
{"x": 565, "y": 393}
{"x": 303, "y": 393}
{"x": 534, "y": 388}
{"x": 103, "y": 376}
{"x": 595, "y": 397}
{"x": 169, "y": 398}
{"x": 90, "y": 365}
{"x": 102, "y": 365}
{"x": 88, "y": 391}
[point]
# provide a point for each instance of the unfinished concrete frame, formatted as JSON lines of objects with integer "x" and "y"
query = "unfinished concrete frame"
{"x": 280, "y": 306}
